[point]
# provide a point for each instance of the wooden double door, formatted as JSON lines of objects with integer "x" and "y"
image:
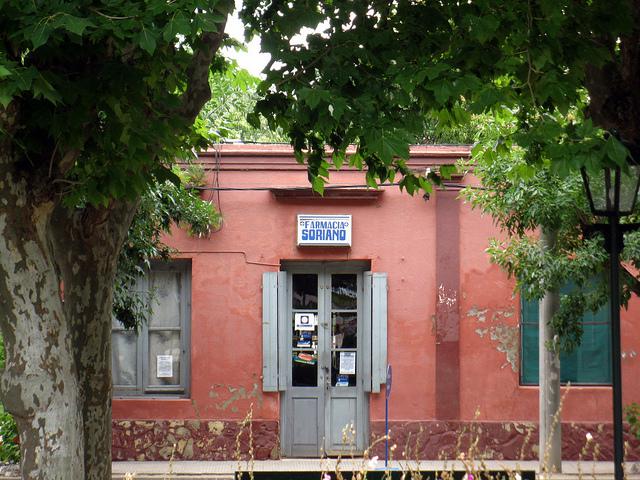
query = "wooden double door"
{"x": 324, "y": 406}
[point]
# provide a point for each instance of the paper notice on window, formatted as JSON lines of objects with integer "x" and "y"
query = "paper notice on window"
{"x": 305, "y": 321}
{"x": 164, "y": 366}
{"x": 347, "y": 363}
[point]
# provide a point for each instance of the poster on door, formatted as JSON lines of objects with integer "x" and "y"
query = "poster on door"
{"x": 347, "y": 363}
{"x": 305, "y": 321}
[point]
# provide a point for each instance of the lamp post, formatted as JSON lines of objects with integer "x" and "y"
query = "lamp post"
{"x": 612, "y": 193}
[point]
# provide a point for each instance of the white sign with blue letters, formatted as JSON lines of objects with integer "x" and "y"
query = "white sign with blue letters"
{"x": 324, "y": 230}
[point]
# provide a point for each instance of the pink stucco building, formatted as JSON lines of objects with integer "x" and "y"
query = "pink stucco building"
{"x": 299, "y": 336}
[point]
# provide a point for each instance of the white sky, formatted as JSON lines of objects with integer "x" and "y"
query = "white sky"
{"x": 251, "y": 60}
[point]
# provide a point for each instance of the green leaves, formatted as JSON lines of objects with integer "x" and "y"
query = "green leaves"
{"x": 177, "y": 25}
{"x": 15, "y": 79}
{"x": 632, "y": 415}
{"x": 379, "y": 72}
{"x": 147, "y": 40}
{"x": 104, "y": 83}
{"x": 165, "y": 204}
{"x": 313, "y": 96}
{"x": 615, "y": 151}
{"x": 317, "y": 183}
{"x": 387, "y": 144}
{"x": 482, "y": 28}
{"x": 40, "y": 32}
{"x": 43, "y": 89}
{"x": 71, "y": 23}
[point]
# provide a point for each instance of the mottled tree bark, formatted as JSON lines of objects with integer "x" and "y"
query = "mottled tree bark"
{"x": 57, "y": 267}
{"x": 86, "y": 244}
{"x": 40, "y": 382}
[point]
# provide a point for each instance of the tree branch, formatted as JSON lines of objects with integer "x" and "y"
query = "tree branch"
{"x": 198, "y": 90}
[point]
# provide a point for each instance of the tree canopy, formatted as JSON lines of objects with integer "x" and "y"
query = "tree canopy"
{"x": 367, "y": 72}
{"x": 112, "y": 89}
{"x": 557, "y": 77}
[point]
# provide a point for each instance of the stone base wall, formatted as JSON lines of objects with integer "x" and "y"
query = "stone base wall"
{"x": 195, "y": 440}
{"x": 427, "y": 440}
{"x": 495, "y": 440}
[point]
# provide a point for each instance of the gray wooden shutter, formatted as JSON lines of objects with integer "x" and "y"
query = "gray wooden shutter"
{"x": 270, "y": 331}
{"x": 375, "y": 331}
{"x": 366, "y": 330}
{"x": 274, "y": 322}
{"x": 283, "y": 325}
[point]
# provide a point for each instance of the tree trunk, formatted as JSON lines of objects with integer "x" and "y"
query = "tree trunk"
{"x": 550, "y": 445}
{"x": 57, "y": 267}
{"x": 86, "y": 245}
{"x": 40, "y": 380}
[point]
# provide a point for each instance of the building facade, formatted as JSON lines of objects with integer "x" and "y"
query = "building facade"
{"x": 272, "y": 337}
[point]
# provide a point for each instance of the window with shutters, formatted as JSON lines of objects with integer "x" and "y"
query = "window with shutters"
{"x": 588, "y": 364}
{"x": 155, "y": 359}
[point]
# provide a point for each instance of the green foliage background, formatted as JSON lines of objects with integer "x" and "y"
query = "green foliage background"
{"x": 9, "y": 446}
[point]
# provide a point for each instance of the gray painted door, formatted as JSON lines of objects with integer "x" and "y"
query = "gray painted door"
{"x": 324, "y": 406}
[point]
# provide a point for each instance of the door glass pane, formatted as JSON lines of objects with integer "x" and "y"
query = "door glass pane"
{"x": 165, "y": 291}
{"x": 305, "y": 330}
{"x": 343, "y": 369}
{"x": 164, "y": 358}
{"x": 344, "y": 291}
{"x": 304, "y": 371}
{"x": 305, "y": 291}
{"x": 124, "y": 346}
{"x": 344, "y": 330}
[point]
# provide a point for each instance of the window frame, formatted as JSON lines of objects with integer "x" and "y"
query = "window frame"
{"x": 142, "y": 387}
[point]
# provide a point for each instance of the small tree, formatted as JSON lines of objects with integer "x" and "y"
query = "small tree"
{"x": 161, "y": 207}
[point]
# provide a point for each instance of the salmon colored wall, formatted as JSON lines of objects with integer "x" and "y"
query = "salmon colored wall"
{"x": 489, "y": 317}
{"x": 396, "y": 233}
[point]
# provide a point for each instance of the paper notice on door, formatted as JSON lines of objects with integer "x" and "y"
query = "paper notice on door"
{"x": 305, "y": 321}
{"x": 347, "y": 363}
{"x": 164, "y": 366}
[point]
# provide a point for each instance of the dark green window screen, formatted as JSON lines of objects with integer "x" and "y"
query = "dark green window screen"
{"x": 590, "y": 363}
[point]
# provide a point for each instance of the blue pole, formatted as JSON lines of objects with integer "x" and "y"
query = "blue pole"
{"x": 386, "y": 427}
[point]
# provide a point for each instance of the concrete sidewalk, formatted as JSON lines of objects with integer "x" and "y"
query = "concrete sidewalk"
{"x": 199, "y": 470}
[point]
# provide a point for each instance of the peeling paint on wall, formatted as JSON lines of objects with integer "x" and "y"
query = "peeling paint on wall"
{"x": 447, "y": 296}
{"x": 230, "y": 395}
{"x": 506, "y": 336}
{"x": 481, "y": 315}
{"x": 502, "y": 314}
{"x": 508, "y": 339}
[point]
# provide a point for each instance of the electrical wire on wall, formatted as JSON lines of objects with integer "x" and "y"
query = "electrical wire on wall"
{"x": 215, "y": 189}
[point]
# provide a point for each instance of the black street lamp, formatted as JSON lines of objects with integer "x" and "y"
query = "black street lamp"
{"x": 612, "y": 193}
